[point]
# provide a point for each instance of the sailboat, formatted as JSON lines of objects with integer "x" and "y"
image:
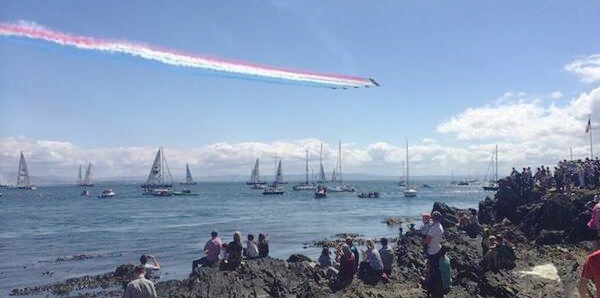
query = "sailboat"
{"x": 255, "y": 176}
{"x": 408, "y": 191}
{"x": 493, "y": 185}
{"x": 322, "y": 178}
{"x": 336, "y": 176}
{"x": 188, "y": 176}
{"x": 87, "y": 180}
{"x": 306, "y": 185}
{"x": 23, "y": 175}
{"x": 275, "y": 189}
{"x": 160, "y": 181}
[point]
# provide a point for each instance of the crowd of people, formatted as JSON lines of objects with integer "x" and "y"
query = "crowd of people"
{"x": 567, "y": 174}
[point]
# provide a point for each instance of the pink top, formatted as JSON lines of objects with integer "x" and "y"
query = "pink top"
{"x": 213, "y": 248}
{"x": 593, "y": 223}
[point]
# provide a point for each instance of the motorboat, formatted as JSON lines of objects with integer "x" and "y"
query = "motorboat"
{"x": 369, "y": 195}
{"x": 86, "y": 193}
{"x": 185, "y": 192}
{"x": 321, "y": 192}
{"x": 107, "y": 194}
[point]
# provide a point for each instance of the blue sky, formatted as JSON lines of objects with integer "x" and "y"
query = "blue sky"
{"x": 434, "y": 59}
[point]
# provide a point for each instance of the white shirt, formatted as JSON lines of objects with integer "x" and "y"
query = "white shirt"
{"x": 436, "y": 232}
{"x": 251, "y": 250}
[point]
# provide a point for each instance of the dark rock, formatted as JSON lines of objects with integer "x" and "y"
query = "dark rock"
{"x": 298, "y": 258}
{"x": 550, "y": 237}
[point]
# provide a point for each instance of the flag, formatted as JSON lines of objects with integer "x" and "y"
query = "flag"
{"x": 589, "y": 126}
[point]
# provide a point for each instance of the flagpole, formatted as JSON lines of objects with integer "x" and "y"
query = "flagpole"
{"x": 591, "y": 148}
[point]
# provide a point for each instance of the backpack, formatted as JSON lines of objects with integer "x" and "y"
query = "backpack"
{"x": 446, "y": 272}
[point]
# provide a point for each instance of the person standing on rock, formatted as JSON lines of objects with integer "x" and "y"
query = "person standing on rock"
{"x": 387, "y": 256}
{"x": 354, "y": 251}
{"x": 433, "y": 241}
{"x": 140, "y": 287}
{"x": 212, "y": 249}
{"x": 590, "y": 272}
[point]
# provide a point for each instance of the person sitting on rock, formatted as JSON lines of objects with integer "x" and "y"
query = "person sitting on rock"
{"x": 212, "y": 249}
{"x": 152, "y": 267}
{"x": 346, "y": 272}
{"x": 387, "y": 256}
{"x": 325, "y": 258}
{"x": 489, "y": 261}
{"x": 140, "y": 287}
{"x": 505, "y": 254}
{"x": 354, "y": 250}
{"x": 263, "y": 246}
{"x": 251, "y": 248}
{"x": 371, "y": 267}
{"x": 234, "y": 252}
{"x": 590, "y": 272}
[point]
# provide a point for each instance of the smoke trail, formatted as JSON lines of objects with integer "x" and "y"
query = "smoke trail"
{"x": 228, "y": 68}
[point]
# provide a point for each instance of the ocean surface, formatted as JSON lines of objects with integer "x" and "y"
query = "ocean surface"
{"x": 43, "y": 231}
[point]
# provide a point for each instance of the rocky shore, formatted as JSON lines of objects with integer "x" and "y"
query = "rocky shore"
{"x": 548, "y": 229}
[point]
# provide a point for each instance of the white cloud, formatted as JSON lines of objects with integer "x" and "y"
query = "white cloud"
{"x": 587, "y": 68}
{"x": 556, "y": 95}
{"x": 62, "y": 159}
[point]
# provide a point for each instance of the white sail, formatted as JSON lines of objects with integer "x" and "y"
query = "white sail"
{"x": 322, "y": 178}
{"x": 160, "y": 175}
{"x": 306, "y": 182}
{"x": 79, "y": 176}
{"x": 188, "y": 175}
{"x": 409, "y": 191}
{"x": 23, "y": 175}
{"x": 87, "y": 181}
{"x": 255, "y": 177}
{"x": 334, "y": 175}
{"x": 279, "y": 175}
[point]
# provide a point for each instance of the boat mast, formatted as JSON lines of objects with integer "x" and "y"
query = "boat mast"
{"x": 496, "y": 167}
{"x": 340, "y": 159}
{"x": 306, "y": 167}
{"x": 407, "y": 164}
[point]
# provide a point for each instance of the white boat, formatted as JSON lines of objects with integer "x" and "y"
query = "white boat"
{"x": 162, "y": 192}
{"x": 408, "y": 191}
{"x": 86, "y": 193}
{"x": 160, "y": 175}
{"x": 306, "y": 185}
{"x": 188, "y": 176}
{"x": 107, "y": 194}
{"x": 274, "y": 190}
{"x": 493, "y": 184}
{"x": 322, "y": 178}
{"x": 23, "y": 175}
{"x": 87, "y": 181}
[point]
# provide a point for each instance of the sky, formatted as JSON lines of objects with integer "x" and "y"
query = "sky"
{"x": 456, "y": 80}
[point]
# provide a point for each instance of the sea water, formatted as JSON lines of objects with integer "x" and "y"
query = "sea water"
{"x": 52, "y": 233}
